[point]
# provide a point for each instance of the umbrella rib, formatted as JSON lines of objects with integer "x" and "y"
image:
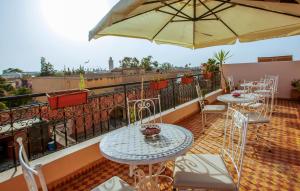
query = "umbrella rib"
{"x": 259, "y": 8}
{"x": 207, "y": 15}
{"x": 179, "y": 11}
{"x": 204, "y": 14}
{"x": 171, "y": 19}
{"x": 218, "y": 18}
{"x": 145, "y": 12}
{"x": 173, "y": 14}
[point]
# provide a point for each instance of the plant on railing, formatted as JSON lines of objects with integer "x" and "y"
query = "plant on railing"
{"x": 221, "y": 57}
{"x": 159, "y": 83}
{"x": 295, "y": 92}
{"x": 209, "y": 68}
{"x": 296, "y": 84}
{"x": 187, "y": 78}
{"x": 70, "y": 97}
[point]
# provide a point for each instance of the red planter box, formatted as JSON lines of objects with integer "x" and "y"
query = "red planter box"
{"x": 187, "y": 80}
{"x": 159, "y": 85}
{"x": 207, "y": 75}
{"x": 67, "y": 98}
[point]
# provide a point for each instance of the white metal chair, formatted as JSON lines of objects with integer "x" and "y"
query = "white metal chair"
{"x": 232, "y": 88}
{"x": 140, "y": 108}
{"x": 29, "y": 173}
{"x": 208, "y": 171}
{"x": 205, "y": 109}
{"x": 261, "y": 116}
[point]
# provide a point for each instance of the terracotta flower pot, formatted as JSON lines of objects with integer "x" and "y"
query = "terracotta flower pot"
{"x": 158, "y": 85}
{"x": 187, "y": 80}
{"x": 295, "y": 94}
{"x": 67, "y": 98}
{"x": 207, "y": 75}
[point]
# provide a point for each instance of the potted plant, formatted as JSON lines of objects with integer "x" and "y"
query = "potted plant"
{"x": 295, "y": 92}
{"x": 68, "y": 98}
{"x": 159, "y": 84}
{"x": 209, "y": 68}
{"x": 187, "y": 78}
{"x": 221, "y": 57}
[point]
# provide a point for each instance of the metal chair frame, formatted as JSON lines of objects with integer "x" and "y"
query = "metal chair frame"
{"x": 141, "y": 106}
{"x": 30, "y": 172}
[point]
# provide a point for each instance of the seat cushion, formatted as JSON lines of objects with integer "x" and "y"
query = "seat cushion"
{"x": 204, "y": 171}
{"x": 214, "y": 108}
{"x": 252, "y": 105}
{"x": 254, "y": 117}
{"x": 114, "y": 184}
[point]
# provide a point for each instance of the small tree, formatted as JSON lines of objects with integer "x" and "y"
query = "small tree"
{"x": 166, "y": 66}
{"x": 221, "y": 57}
{"x": 19, "y": 102}
{"x": 47, "y": 68}
{"x": 147, "y": 63}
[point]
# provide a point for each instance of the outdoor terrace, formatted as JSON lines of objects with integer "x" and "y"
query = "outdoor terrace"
{"x": 262, "y": 170}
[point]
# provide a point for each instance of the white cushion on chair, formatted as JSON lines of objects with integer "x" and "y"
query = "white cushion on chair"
{"x": 214, "y": 108}
{"x": 205, "y": 171}
{"x": 114, "y": 184}
{"x": 252, "y": 105}
{"x": 254, "y": 117}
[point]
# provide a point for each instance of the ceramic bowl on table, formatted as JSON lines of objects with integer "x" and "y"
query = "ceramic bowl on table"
{"x": 236, "y": 95}
{"x": 150, "y": 130}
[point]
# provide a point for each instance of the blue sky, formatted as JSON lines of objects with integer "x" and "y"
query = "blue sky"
{"x": 58, "y": 30}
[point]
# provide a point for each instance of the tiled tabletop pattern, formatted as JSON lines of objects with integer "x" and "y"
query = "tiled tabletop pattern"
{"x": 263, "y": 170}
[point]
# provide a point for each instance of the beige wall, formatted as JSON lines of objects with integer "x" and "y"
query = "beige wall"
{"x": 286, "y": 70}
{"x": 51, "y": 84}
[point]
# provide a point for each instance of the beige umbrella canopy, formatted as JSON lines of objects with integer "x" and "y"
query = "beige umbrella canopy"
{"x": 200, "y": 23}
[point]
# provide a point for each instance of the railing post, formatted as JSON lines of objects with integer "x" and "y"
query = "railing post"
{"x": 174, "y": 96}
{"x": 126, "y": 106}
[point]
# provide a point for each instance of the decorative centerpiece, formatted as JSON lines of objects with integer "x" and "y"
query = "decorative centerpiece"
{"x": 236, "y": 94}
{"x": 150, "y": 130}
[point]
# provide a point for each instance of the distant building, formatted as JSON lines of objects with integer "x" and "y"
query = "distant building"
{"x": 129, "y": 71}
{"x": 110, "y": 63}
{"x": 275, "y": 58}
{"x": 12, "y": 75}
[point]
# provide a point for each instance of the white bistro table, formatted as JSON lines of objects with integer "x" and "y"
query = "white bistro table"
{"x": 129, "y": 146}
{"x": 244, "y": 98}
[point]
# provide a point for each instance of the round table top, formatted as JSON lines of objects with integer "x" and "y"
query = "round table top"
{"x": 244, "y": 98}
{"x": 129, "y": 146}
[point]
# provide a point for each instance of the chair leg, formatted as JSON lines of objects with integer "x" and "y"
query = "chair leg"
{"x": 202, "y": 120}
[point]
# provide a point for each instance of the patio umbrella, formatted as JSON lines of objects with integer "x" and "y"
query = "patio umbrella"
{"x": 200, "y": 23}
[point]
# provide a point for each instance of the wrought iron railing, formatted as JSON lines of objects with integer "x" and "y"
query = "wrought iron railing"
{"x": 46, "y": 131}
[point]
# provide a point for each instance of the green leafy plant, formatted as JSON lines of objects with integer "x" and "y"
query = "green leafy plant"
{"x": 296, "y": 84}
{"x": 221, "y": 58}
{"x": 81, "y": 83}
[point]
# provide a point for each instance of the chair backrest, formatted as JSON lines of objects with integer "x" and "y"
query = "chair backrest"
{"x": 29, "y": 172}
{"x": 200, "y": 96}
{"x": 234, "y": 141}
{"x": 138, "y": 109}
{"x": 230, "y": 83}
